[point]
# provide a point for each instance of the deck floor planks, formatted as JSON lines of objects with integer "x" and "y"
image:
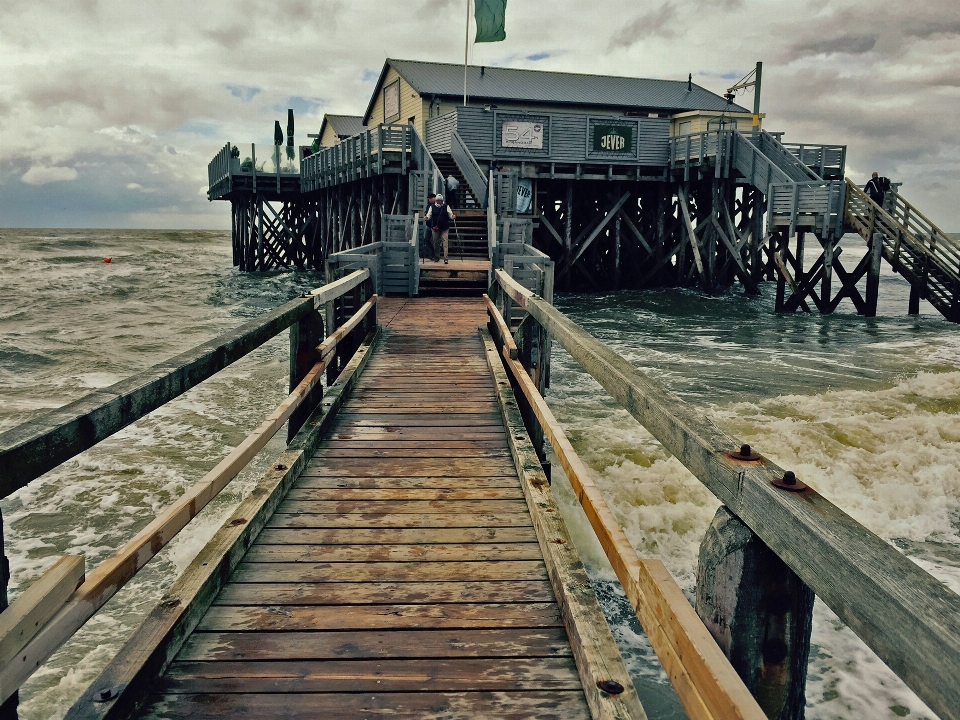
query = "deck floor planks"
{"x": 401, "y": 576}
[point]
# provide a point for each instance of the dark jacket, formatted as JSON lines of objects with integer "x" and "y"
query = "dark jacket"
{"x": 439, "y": 217}
{"x": 876, "y": 188}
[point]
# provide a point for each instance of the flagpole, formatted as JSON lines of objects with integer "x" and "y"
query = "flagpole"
{"x": 466, "y": 44}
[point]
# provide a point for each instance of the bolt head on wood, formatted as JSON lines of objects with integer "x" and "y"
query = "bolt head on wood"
{"x": 789, "y": 482}
{"x": 611, "y": 687}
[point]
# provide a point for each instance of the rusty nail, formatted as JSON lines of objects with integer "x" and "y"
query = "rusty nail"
{"x": 279, "y": 466}
{"x": 611, "y": 687}
{"x": 236, "y": 522}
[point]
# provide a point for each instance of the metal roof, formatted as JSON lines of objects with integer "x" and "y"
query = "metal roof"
{"x": 344, "y": 125}
{"x": 496, "y": 83}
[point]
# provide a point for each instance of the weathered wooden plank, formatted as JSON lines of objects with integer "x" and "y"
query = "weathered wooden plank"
{"x": 401, "y": 507}
{"x": 272, "y": 618}
{"x": 903, "y": 613}
{"x": 426, "y": 441}
{"x": 396, "y": 536}
{"x": 591, "y": 641}
{"x": 362, "y": 644}
{"x": 332, "y": 452}
{"x": 459, "y": 408}
{"x": 543, "y": 705}
{"x": 414, "y": 483}
{"x": 406, "y": 467}
{"x": 422, "y": 420}
{"x": 384, "y": 494}
{"x": 365, "y": 676}
{"x": 358, "y": 593}
{"x": 397, "y": 571}
{"x": 37, "y": 604}
{"x": 407, "y": 520}
{"x": 397, "y": 433}
{"x": 160, "y": 635}
{"x": 458, "y": 552}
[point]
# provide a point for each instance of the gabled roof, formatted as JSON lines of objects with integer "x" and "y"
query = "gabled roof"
{"x": 496, "y": 83}
{"x": 343, "y": 125}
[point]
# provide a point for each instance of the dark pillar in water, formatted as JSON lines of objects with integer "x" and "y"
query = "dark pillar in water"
{"x": 759, "y": 612}
{"x": 873, "y": 273}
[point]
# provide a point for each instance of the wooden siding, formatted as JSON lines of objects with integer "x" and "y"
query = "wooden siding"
{"x": 411, "y": 104}
{"x": 329, "y": 138}
{"x": 439, "y": 130}
{"x": 566, "y": 141}
{"x": 696, "y": 122}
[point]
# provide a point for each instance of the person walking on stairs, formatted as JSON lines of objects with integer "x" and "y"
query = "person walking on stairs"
{"x": 439, "y": 217}
{"x": 877, "y": 188}
{"x": 452, "y": 186}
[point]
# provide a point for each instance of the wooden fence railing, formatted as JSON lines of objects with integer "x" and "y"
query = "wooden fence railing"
{"x": 61, "y": 601}
{"x": 928, "y": 258}
{"x": 910, "y": 619}
{"x": 364, "y": 155}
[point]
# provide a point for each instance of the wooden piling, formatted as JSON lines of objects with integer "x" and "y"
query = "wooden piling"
{"x": 758, "y": 611}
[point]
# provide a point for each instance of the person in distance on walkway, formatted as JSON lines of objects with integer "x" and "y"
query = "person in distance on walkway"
{"x": 439, "y": 217}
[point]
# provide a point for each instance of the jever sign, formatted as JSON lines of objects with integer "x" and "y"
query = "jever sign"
{"x": 612, "y": 139}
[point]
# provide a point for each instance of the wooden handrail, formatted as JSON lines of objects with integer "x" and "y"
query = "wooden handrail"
{"x": 900, "y": 611}
{"x": 703, "y": 678}
{"x": 39, "y": 445}
{"x": 112, "y": 574}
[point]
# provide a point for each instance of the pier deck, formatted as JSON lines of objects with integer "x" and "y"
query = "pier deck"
{"x": 401, "y": 575}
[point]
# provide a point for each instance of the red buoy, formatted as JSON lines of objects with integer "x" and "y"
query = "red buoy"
{"x": 108, "y": 260}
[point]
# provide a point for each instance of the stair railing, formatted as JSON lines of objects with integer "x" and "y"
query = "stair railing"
{"x": 904, "y": 227}
{"x": 464, "y": 159}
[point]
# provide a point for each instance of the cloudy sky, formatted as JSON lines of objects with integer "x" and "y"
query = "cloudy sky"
{"x": 110, "y": 110}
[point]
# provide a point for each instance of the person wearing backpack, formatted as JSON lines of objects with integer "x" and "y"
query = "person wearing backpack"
{"x": 877, "y": 187}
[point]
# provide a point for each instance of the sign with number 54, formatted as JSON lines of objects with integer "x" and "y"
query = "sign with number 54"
{"x": 520, "y": 134}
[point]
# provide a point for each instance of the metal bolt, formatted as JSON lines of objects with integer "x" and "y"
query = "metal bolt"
{"x": 279, "y": 466}
{"x": 104, "y": 694}
{"x": 789, "y": 478}
{"x": 611, "y": 687}
{"x": 745, "y": 450}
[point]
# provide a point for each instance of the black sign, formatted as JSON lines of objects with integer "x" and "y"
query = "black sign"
{"x": 612, "y": 139}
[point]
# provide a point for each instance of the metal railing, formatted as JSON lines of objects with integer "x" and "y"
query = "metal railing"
{"x": 905, "y": 615}
{"x": 37, "y": 446}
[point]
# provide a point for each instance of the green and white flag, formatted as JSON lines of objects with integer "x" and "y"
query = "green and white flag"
{"x": 491, "y": 16}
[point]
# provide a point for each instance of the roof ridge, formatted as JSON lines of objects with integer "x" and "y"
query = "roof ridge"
{"x": 552, "y": 72}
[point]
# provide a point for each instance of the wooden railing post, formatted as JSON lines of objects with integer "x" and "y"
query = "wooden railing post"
{"x": 759, "y": 612}
{"x": 873, "y": 273}
{"x": 8, "y": 710}
{"x": 305, "y": 335}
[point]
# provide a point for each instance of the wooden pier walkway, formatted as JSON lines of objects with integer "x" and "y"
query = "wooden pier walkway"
{"x": 401, "y": 575}
{"x": 405, "y": 556}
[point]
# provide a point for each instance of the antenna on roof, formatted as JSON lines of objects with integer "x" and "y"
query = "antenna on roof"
{"x": 751, "y": 79}
{"x": 690, "y": 82}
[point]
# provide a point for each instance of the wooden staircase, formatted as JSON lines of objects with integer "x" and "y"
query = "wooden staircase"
{"x": 448, "y": 166}
{"x": 916, "y": 248}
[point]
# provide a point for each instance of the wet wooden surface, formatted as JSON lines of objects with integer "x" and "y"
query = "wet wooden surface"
{"x": 401, "y": 576}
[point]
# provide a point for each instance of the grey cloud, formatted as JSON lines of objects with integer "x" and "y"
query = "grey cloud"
{"x": 661, "y": 22}
{"x": 852, "y": 44}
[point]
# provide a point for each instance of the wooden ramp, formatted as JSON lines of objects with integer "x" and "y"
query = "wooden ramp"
{"x": 402, "y": 575}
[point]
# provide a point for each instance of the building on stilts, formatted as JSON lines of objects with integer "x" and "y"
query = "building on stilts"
{"x": 612, "y": 182}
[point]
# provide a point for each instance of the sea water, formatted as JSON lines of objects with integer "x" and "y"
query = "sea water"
{"x": 866, "y": 410}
